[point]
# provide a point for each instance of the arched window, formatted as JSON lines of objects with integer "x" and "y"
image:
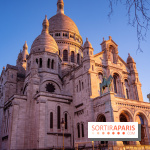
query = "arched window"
{"x": 77, "y": 88}
{"x": 100, "y": 76}
{"x": 127, "y": 94}
{"x": 123, "y": 118}
{"x": 78, "y": 128}
{"x": 65, "y": 55}
{"x": 36, "y": 60}
{"x": 59, "y": 52}
{"x": 126, "y": 88}
{"x": 66, "y": 121}
{"x": 51, "y": 120}
{"x": 82, "y": 125}
{"x": 112, "y": 51}
{"x": 50, "y": 87}
{"x": 78, "y": 59}
{"x": 79, "y": 85}
{"x": 58, "y": 117}
{"x": 40, "y": 65}
{"x": 72, "y": 56}
{"x": 48, "y": 63}
{"x": 52, "y": 64}
{"x": 115, "y": 77}
{"x": 102, "y": 118}
{"x": 92, "y": 68}
{"x": 82, "y": 85}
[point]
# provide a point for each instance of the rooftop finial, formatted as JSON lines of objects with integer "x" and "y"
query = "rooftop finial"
{"x": 60, "y": 7}
{"x": 25, "y": 46}
{"x": 45, "y": 24}
{"x": 110, "y": 38}
{"x": 86, "y": 39}
{"x": 128, "y": 54}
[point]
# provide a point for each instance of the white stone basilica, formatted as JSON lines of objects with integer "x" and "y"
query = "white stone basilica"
{"x": 60, "y": 78}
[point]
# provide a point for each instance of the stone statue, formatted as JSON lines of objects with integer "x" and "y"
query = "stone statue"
{"x": 105, "y": 83}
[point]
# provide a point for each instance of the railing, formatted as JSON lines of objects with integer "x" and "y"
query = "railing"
{"x": 109, "y": 147}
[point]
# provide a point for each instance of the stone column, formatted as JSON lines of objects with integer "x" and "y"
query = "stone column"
{"x": 15, "y": 114}
{"x": 42, "y": 122}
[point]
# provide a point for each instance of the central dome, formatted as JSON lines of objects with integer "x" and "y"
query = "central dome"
{"x": 62, "y": 22}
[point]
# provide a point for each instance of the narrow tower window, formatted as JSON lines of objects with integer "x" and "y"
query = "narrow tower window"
{"x": 115, "y": 77}
{"x": 58, "y": 117}
{"x": 79, "y": 85}
{"x": 78, "y": 59}
{"x": 40, "y": 65}
{"x": 52, "y": 64}
{"x": 78, "y": 127}
{"x": 72, "y": 56}
{"x": 65, "y": 55}
{"x": 36, "y": 60}
{"x": 82, "y": 129}
{"x": 66, "y": 121}
{"x": 51, "y": 120}
{"x": 48, "y": 63}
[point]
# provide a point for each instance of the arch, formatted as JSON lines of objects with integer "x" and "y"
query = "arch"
{"x": 65, "y": 55}
{"x": 126, "y": 113}
{"x": 118, "y": 73}
{"x": 143, "y": 115}
{"x": 125, "y": 116}
{"x": 141, "y": 118}
{"x": 112, "y": 51}
{"x": 115, "y": 79}
{"x": 101, "y": 118}
{"x": 72, "y": 56}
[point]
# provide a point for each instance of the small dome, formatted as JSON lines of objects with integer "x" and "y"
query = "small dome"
{"x": 87, "y": 44}
{"x": 44, "y": 42}
{"x": 130, "y": 59}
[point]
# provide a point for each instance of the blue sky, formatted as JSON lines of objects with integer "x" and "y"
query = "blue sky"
{"x": 22, "y": 21}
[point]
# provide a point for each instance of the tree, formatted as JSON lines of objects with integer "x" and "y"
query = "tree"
{"x": 138, "y": 16}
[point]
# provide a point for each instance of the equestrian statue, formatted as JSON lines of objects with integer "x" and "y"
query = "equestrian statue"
{"x": 106, "y": 83}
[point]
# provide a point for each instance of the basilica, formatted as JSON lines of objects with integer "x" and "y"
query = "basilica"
{"x": 54, "y": 90}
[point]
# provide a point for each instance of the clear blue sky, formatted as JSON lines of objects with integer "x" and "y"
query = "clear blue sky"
{"x": 22, "y": 21}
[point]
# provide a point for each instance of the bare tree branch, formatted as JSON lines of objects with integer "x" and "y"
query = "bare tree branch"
{"x": 138, "y": 15}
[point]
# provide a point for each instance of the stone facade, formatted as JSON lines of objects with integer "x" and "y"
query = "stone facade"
{"x": 61, "y": 78}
